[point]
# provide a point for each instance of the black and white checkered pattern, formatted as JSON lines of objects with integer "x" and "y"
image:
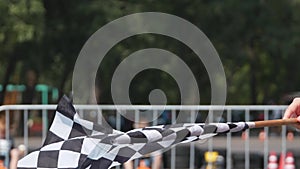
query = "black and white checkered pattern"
{"x": 76, "y": 143}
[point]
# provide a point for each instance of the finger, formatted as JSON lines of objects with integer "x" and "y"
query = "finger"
{"x": 298, "y": 124}
{"x": 293, "y": 109}
{"x": 289, "y": 112}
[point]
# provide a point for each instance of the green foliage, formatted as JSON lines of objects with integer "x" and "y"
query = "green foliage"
{"x": 258, "y": 43}
{"x": 21, "y": 21}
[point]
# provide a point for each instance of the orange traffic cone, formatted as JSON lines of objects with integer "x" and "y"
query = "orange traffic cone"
{"x": 262, "y": 135}
{"x": 290, "y": 136}
{"x": 281, "y": 161}
{"x": 289, "y": 161}
{"x": 2, "y": 165}
{"x": 272, "y": 161}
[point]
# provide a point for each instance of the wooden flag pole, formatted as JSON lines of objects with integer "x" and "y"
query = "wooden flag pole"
{"x": 277, "y": 122}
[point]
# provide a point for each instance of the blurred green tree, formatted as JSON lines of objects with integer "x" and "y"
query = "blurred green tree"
{"x": 258, "y": 42}
{"x": 21, "y": 32}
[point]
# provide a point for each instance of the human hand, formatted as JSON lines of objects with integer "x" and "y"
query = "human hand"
{"x": 293, "y": 111}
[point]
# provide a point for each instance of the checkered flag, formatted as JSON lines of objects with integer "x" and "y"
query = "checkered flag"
{"x": 72, "y": 142}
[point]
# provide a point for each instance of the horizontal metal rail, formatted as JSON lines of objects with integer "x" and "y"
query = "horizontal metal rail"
{"x": 150, "y": 107}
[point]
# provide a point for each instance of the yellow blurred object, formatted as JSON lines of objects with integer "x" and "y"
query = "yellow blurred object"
{"x": 211, "y": 157}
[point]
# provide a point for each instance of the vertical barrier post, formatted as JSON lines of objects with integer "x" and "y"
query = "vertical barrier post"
{"x": 228, "y": 145}
{"x": 283, "y": 141}
{"x": 173, "y": 150}
{"x": 136, "y": 116}
{"x": 45, "y": 123}
{"x": 81, "y": 113}
{"x": 7, "y": 136}
{"x": 118, "y": 126}
{"x": 247, "y": 156}
{"x": 192, "y": 145}
{"x": 210, "y": 140}
{"x": 26, "y": 130}
{"x": 118, "y": 121}
{"x": 155, "y": 117}
{"x": 266, "y": 140}
{"x": 99, "y": 119}
{"x": 136, "y": 119}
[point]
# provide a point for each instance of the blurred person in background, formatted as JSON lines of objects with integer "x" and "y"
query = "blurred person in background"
{"x": 28, "y": 97}
{"x": 7, "y": 146}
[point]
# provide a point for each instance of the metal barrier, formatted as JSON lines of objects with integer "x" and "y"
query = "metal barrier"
{"x": 229, "y": 143}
